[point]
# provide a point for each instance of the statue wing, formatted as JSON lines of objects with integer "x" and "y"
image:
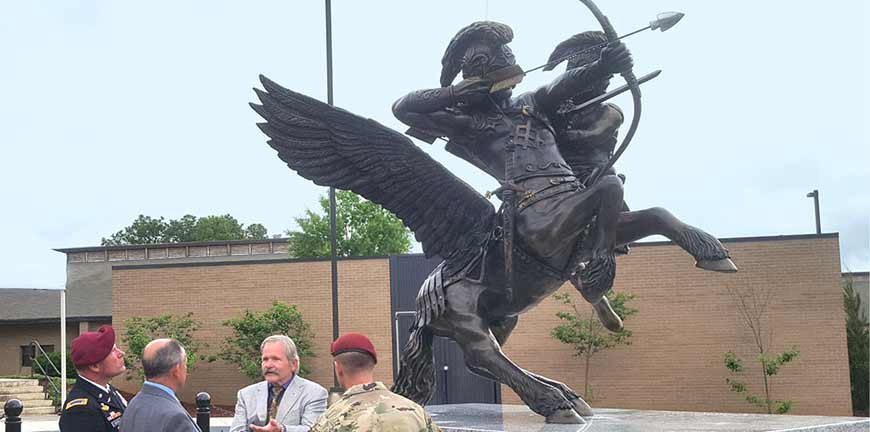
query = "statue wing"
{"x": 333, "y": 147}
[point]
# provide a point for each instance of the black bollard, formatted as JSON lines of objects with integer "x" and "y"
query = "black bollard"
{"x": 12, "y": 409}
{"x": 203, "y": 411}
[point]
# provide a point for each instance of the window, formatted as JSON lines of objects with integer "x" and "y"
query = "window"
{"x": 28, "y": 352}
{"x": 26, "y": 356}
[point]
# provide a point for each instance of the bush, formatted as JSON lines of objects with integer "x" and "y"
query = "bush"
{"x": 54, "y": 395}
{"x": 54, "y": 357}
{"x": 243, "y": 348}
{"x": 138, "y": 331}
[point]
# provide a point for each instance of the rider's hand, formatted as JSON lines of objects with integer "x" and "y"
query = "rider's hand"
{"x": 471, "y": 91}
{"x": 615, "y": 58}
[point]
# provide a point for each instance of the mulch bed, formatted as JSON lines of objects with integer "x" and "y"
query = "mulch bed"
{"x": 216, "y": 410}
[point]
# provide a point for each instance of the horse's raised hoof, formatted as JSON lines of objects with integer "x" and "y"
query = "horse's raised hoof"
{"x": 724, "y": 265}
{"x": 565, "y": 416}
{"x": 608, "y": 317}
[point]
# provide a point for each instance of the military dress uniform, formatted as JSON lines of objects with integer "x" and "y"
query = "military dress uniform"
{"x": 374, "y": 408}
{"x": 90, "y": 408}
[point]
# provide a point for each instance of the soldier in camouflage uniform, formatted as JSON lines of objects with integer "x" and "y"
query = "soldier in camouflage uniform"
{"x": 367, "y": 405}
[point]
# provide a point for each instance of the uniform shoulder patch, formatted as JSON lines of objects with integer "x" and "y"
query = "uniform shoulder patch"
{"x": 76, "y": 402}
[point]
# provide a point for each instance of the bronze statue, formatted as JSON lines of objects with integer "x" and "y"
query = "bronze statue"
{"x": 552, "y": 226}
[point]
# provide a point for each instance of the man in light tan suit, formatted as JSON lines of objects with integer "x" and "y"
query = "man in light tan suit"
{"x": 284, "y": 401}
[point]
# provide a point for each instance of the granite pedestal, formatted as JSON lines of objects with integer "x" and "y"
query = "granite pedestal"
{"x": 516, "y": 418}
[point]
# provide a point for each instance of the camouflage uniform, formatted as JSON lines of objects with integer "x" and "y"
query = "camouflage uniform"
{"x": 374, "y": 408}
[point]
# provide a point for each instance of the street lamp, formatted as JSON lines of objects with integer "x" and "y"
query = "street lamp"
{"x": 815, "y": 195}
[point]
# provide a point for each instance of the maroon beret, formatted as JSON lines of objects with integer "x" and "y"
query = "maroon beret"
{"x": 92, "y": 347}
{"x": 353, "y": 342}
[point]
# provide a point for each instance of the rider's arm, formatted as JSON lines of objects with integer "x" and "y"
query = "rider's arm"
{"x": 614, "y": 58}
{"x": 568, "y": 84}
{"x": 427, "y": 110}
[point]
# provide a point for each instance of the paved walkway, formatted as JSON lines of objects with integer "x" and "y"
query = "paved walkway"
{"x": 497, "y": 418}
{"x": 49, "y": 423}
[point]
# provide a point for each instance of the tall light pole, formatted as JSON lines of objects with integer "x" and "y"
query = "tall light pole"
{"x": 333, "y": 247}
{"x": 815, "y": 195}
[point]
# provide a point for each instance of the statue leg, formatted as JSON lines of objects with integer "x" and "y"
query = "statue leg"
{"x": 574, "y": 212}
{"x": 708, "y": 252}
{"x": 484, "y": 356}
{"x": 502, "y": 330}
{"x": 596, "y": 278}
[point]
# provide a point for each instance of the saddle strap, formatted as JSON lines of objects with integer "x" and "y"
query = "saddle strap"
{"x": 558, "y": 186}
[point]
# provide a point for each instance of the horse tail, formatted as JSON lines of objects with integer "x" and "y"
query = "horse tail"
{"x": 416, "y": 380}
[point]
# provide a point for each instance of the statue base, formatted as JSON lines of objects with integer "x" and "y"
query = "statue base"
{"x": 510, "y": 418}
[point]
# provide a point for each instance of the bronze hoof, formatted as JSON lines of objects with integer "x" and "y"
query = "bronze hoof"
{"x": 582, "y": 408}
{"x": 565, "y": 416}
{"x": 724, "y": 265}
{"x": 608, "y": 317}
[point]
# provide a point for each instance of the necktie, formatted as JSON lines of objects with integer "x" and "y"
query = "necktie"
{"x": 277, "y": 392}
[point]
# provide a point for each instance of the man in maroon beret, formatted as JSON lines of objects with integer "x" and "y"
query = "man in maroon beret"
{"x": 93, "y": 404}
{"x": 367, "y": 405}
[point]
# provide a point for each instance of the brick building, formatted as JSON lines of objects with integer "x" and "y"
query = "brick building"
{"x": 28, "y": 315}
{"x": 686, "y": 318}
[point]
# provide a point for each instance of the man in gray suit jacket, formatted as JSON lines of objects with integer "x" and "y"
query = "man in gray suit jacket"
{"x": 284, "y": 402}
{"x": 156, "y": 408}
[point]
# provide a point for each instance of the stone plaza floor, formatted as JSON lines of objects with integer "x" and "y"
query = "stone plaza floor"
{"x": 517, "y": 418}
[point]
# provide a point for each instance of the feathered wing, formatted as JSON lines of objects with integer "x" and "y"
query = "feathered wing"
{"x": 333, "y": 147}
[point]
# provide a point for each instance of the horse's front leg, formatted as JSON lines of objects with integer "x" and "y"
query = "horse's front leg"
{"x": 708, "y": 252}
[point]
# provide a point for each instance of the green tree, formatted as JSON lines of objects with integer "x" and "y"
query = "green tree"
{"x": 180, "y": 230}
{"x": 256, "y": 231}
{"x": 243, "y": 347}
{"x": 583, "y": 331}
{"x": 147, "y": 230}
{"x": 362, "y": 227}
{"x": 143, "y": 230}
{"x": 858, "y": 341}
{"x": 752, "y": 303}
{"x": 138, "y": 331}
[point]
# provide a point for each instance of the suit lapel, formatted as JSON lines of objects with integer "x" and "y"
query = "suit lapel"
{"x": 290, "y": 398}
{"x": 261, "y": 399}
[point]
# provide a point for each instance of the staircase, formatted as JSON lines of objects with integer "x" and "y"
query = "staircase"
{"x": 29, "y": 392}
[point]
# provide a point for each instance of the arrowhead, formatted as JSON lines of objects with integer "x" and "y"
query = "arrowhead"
{"x": 666, "y": 20}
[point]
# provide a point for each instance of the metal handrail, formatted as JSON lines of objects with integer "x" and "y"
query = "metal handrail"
{"x": 35, "y": 343}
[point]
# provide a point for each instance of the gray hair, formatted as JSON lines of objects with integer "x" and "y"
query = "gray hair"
{"x": 289, "y": 346}
{"x": 167, "y": 357}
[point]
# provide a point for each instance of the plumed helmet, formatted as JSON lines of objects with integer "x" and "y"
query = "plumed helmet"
{"x": 454, "y": 57}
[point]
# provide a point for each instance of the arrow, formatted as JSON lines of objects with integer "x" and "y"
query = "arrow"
{"x": 611, "y": 94}
{"x": 663, "y": 22}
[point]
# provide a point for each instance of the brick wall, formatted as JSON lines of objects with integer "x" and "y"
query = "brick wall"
{"x": 215, "y": 293}
{"x": 364, "y": 307}
{"x": 687, "y": 320}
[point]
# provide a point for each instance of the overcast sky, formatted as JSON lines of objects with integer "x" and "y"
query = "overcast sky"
{"x": 112, "y": 109}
